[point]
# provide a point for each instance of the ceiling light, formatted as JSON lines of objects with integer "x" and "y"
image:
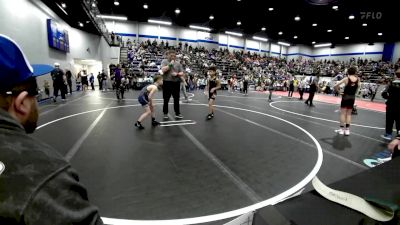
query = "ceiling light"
{"x": 177, "y": 11}
{"x": 314, "y": 24}
{"x": 263, "y": 28}
{"x": 380, "y": 34}
{"x": 271, "y": 9}
{"x": 87, "y": 21}
{"x": 295, "y": 37}
{"x": 238, "y": 0}
{"x": 280, "y": 33}
{"x": 313, "y": 42}
{"x": 93, "y": 4}
{"x": 347, "y": 38}
{"x": 116, "y": 2}
{"x": 145, "y": 6}
{"x": 112, "y": 17}
{"x": 62, "y": 9}
{"x": 63, "y": 5}
{"x": 260, "y": 38}
{"x": 160, "y": 22}
{"x": 322, "y": 45}
{"x": 199, "y": 28}
{"x": 211, "y": 17}
{"x": 329, "y": 31}
{"x": 297, "y": 18}
{"x": 335, "y": 7}
{"x": 239, "y": 23}
{"x": 80, "y": 24}
{"x": 284, "y": 43}
{"x": 364, "y": 24}
{"x": 351, "y": 17}
{"x": 233, "y": 33}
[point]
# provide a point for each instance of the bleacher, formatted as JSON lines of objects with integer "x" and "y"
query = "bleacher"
{"x": 196, "y": 63}
{"x": 144, "y": 60}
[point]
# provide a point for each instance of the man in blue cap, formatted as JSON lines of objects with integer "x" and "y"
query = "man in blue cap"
{"x": 37, "y": 185}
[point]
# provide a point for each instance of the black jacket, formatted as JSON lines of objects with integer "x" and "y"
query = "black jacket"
{"x": 392, "y": 94}
{"x": 37, "y": 185}
{"x": 58, "y": 76}
{"x": 313, "y": 87}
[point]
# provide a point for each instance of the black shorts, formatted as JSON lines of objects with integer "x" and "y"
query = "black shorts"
{"x": 85, "y": 81}
{"x": 347, "y": 102}
{"x": 212, "y": 95}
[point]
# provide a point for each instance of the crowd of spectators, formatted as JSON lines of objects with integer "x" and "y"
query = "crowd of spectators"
{"x": 144, "y": 60}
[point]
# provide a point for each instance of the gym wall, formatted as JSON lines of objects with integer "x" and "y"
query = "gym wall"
{"x": 396, "y": 53}
{"x": 343, "y": 53}
{"x": 25, "y": 22}
{"x": 174, "y": 35}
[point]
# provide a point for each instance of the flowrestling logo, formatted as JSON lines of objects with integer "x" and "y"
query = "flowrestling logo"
{"x": 2, "y": 167}
{"x": 371, "y": 15}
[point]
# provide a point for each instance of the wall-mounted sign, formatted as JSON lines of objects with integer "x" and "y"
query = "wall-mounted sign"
{"x": 58, "y": 38}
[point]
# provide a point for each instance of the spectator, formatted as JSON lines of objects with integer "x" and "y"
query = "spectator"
{"x": 58, "y": 82}
{"x": 68, "y": 75}
{"x": 374, "y": 89}
{"x": 285, "y": 85}
{"x": 245, "y": 84}
{"x": 112, "y": 38}
{"x": 129, "y": 43}
{"x": 99, "y": 79}
{"x": 104, "y": 81}
{"x": 78, "y": 81}
{"x": 183, "y": 86}
{"x": 91, "y": 80}
{"x": 84, "y": 78}
{"x": 186, "y": 46}
{"x": 392, "y": 96}
{"x": 394, "y": 146}
{"x": 38, "y": 185}
{"x": 291, "y": 88}
{"x": 46, "y": 87}
{"x": 301, "y": 87}
{"x": 271, "y": 86}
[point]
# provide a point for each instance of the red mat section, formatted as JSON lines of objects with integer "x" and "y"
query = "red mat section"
{"x": 362, "y": 104}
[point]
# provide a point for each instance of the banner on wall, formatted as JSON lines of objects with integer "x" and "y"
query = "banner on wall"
{"x": 206, "y": 36}
{"x": 388, "y": 50}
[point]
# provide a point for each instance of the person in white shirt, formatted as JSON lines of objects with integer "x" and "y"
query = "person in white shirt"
{"x": 183, "y": 87}
{"x": 301, "y": 87}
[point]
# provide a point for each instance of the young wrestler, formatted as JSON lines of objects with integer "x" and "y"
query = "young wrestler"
{"x": 146, "y": 100}
{"x": 352, "y": 84}
{"x": 213, "y": 85}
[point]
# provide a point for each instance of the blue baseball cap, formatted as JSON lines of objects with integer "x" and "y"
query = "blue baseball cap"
{"x": 14, "y": 66}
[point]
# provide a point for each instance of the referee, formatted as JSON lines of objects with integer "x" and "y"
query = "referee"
{"x": 172, "y": 71}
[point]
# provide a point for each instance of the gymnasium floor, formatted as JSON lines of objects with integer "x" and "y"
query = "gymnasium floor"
{"x": 248, "y": 153}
